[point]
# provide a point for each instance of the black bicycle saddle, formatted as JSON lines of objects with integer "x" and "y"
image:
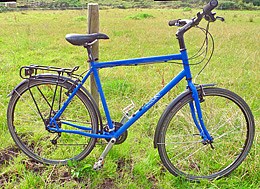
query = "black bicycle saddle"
{"x": 83, "y": 39}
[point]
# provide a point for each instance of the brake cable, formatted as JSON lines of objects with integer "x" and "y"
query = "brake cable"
{"x": 200, "y": 51}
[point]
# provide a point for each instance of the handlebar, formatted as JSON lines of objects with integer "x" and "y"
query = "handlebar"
{"x": 206, "y": 13}
{"x": 210, "y": 6}
{"x": 188, "y": 24}
{"x": 178, "y": 22}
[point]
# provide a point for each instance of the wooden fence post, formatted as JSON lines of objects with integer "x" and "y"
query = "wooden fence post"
{"x": 93, "y": 27}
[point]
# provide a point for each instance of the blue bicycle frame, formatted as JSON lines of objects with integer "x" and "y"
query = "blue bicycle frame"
{"x": 94, "y": 66}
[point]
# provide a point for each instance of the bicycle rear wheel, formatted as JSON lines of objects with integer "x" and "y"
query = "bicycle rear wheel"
{"x": 229, "y": 121}
{"x": 30, "y": 106}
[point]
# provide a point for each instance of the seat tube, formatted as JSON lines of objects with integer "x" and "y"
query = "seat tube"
{"x": 99, "y": 87}
{"x": 102, "y": 97}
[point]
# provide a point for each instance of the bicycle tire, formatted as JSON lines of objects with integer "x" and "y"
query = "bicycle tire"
{"x": 227, "y": 118}
{"x": 28, "y": 129}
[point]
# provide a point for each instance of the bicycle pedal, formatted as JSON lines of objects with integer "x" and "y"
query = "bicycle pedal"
{"x": 128, "y": 108}
{"x": 126, "y": 112}
{"x": 99, "y": 164}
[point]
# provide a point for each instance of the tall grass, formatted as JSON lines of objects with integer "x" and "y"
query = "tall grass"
{"x": 37, "y": 37}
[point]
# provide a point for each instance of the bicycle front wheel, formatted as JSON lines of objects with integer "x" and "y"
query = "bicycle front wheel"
{"x": 31, "y": 105}
{"x": 229, "y": 121}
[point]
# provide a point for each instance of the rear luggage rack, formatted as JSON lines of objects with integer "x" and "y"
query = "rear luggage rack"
{"x": 28, "y": 72}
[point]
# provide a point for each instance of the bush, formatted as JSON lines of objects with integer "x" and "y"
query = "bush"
{"x": 183, "y": 4}
{"x": 225, "y": 5}
{"x": 248, "y": 6}
{"x": 68, "y": 3}
{"x": 256, "y": 2}
{"x": 3, "y": 9}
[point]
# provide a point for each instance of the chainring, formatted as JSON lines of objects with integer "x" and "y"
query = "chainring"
{"x": 122, "y": 137}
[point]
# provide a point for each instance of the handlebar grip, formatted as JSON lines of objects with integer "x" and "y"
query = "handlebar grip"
{"x": 210, "y": 6}
{"x": 173, "y": 22}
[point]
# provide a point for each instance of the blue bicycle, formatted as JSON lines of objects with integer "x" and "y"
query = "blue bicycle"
{"x": 204, "y": 133}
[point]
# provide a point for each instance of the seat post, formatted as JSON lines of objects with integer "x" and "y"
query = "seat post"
{"x": 90, "y": 54}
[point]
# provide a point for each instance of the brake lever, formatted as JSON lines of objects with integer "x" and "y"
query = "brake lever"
{"x": 210, "y": 17}
{"x": 222, "y": 19}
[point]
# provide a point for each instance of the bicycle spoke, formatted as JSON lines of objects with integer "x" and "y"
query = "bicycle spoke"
{"x": 222, "y": 125}
{"x": 192, "y": 154}
{"x": 183, "y": 153}
{"x": 34, "y": 110}
{"x": 44, "y": 97}
{"x": 32, "y": 103}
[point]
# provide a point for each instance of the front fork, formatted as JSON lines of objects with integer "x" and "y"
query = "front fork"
{"x": 196, "y": 113}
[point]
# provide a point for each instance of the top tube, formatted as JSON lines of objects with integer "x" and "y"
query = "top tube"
{"x": 138, "y": 61}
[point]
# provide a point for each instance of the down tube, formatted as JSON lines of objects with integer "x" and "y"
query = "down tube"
{"x": 148, "y": 105}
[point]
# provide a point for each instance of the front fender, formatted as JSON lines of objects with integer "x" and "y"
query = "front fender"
{"x": 165, "y": 113}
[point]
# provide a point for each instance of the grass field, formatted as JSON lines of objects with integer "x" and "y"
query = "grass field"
{"x": 37, "y": 37}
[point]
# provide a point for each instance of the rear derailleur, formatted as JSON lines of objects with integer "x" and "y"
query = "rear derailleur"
{"x": 47, "y": 126}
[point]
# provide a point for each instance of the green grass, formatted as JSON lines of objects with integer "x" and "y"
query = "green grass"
{"x": 37, "y": 37}
{"x": 141, "y": 16}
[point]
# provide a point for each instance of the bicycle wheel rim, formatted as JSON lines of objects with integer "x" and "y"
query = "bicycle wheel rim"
{"x": 28, "y": 129}
{"x": 184, "y": 154}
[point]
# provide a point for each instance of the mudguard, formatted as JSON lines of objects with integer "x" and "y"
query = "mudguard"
{"x": 165, "y": 113}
